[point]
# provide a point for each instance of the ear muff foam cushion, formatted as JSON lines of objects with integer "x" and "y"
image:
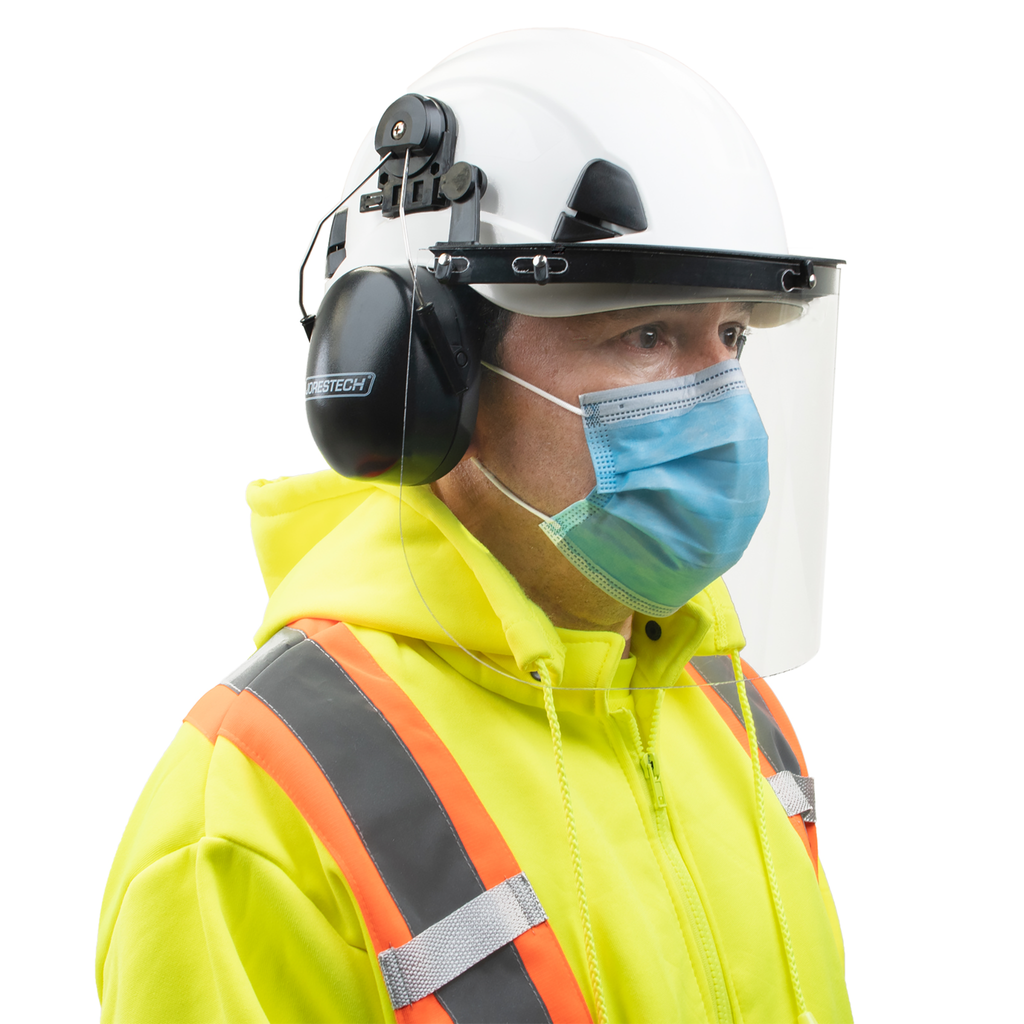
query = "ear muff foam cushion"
{"x": 356, "y": 376}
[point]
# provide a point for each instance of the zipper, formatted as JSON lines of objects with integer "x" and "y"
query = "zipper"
{"x": 698, "y": 922}
{"x": 649, "y": 766}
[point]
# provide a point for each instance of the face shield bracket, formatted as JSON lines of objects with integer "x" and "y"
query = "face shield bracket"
{"x": 796, "y": 277}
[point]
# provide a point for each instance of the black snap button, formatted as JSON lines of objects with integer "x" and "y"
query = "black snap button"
{"x": 653, "y": 630}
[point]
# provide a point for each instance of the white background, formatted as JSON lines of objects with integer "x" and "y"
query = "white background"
{"x": 164, "y": 165}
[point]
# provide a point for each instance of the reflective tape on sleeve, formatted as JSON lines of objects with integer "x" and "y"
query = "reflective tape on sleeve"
{"x": 795, "y": 793}
{"x": 456, "y": 943}
{"x": 281, "y": 641}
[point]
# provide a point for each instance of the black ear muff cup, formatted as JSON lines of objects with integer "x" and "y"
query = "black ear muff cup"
{"x": 356, "y": 376}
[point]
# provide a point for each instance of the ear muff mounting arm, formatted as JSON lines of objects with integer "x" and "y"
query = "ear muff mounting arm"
{"x": 309, "y": 319}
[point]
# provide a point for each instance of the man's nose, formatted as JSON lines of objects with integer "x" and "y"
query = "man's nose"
{"x": 705, "y": 349}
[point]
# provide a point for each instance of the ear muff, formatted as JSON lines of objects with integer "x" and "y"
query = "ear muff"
{"x": 356, "y": 397}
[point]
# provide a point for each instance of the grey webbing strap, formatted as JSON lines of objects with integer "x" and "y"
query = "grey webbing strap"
{"x": 795, "y": 793}
{"x": 459, "y": 941}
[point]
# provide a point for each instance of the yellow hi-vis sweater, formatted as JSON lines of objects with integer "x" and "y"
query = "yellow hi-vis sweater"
{"x": 223, "y": 905}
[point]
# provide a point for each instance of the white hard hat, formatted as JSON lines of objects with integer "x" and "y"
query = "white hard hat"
{"x": 540, "y": 110}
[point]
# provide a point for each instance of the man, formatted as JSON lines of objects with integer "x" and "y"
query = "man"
{"x": 497, "y": 757}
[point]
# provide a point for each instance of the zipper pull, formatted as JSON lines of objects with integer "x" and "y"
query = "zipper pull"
{"x": 649, "y": 764}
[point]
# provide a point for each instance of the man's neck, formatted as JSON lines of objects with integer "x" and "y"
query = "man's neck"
{"x": 514, "y": 537}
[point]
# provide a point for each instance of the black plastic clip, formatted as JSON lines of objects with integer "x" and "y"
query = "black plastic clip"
{"x": 791, "y": 279}
{"x": 446, "y": 265}
{"x": 443, "y": 267}
{"x": 540, "y": 266}
{"x": 336, "y": 243}
{"x": 454, "y": 363}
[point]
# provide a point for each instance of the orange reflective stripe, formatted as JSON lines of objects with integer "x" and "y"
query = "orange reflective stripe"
{"x": 805, "y": 830}
{"x": 552, "y": 976}
{"x": 539, "y": 947}
{"x": 251, "y": 725}
{"x": 210, "y": 709}
{"x": 487, "y": 849}
{"x": 811, "y": 831}
{"x": 265, "y": 739}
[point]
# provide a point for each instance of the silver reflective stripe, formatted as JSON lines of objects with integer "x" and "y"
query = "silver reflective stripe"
{"x": 795, "y": 793}
{"x": 459, "y": 941}
{"x": 273, "y": 648}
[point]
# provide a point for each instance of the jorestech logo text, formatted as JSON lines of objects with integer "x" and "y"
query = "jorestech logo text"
{"x": 340, "y": 385}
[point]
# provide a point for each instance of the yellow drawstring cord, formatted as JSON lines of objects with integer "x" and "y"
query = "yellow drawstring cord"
{"x": 574, "y": 850}
{"x": 804, "y": 1015}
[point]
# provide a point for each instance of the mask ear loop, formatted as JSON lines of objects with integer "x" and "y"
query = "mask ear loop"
{"x": 533, "y": 387}
{"x": 511, "y": 495}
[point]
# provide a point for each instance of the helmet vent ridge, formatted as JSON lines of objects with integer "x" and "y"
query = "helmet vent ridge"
{"x": 606, "y": 204}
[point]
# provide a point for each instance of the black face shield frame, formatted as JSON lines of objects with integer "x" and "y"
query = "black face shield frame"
{"x": 795, "y": 279}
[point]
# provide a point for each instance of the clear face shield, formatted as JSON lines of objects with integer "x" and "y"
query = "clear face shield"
{"x": 710, "y": 487}
{"x": 706, "y": 512}
{"x": 720, "y": 473}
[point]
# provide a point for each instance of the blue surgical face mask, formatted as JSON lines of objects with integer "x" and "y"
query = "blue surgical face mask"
{"x": 682, "y": 483}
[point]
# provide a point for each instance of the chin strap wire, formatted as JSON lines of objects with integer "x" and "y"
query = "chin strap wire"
{"x": 574, "y": 850}
{"x": 804, "y": 1015}
{"x": 316, "y": 234}
{"x": 417, "y": 297}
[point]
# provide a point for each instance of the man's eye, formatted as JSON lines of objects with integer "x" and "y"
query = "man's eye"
{"x": 645, "y": 337}
{"x": 731, "y": 335}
